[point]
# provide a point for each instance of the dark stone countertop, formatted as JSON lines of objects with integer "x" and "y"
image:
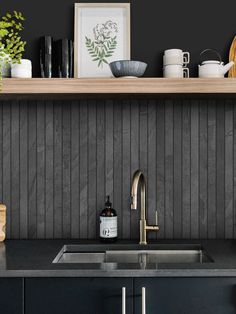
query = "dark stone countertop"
{"x": 33, "y": 258}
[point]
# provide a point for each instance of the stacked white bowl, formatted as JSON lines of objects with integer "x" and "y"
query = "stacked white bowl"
{"x": 22, "y": 69}
{"x": 175, "y": 63}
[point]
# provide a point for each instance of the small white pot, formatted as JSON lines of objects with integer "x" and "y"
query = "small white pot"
{"x": 22, "y": 70}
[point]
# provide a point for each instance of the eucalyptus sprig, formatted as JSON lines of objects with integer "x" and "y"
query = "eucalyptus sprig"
{"x": 11, "y": 44}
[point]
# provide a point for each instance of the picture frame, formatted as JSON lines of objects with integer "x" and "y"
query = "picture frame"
{"x": 101, "y": 35}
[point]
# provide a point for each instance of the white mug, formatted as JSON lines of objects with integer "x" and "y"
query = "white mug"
{"x": 175, "y": 71}
{"x": 176, "y": 56}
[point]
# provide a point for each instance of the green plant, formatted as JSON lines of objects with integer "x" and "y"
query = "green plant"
{"x": 11, "y": 45}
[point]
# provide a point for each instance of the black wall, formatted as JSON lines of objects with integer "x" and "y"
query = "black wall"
{"x": 156, "y": 26}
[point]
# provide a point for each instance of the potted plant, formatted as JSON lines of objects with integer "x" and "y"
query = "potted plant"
{"x": 11, "y": 45}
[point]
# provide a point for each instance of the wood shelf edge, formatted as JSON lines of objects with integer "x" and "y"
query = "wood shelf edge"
{"x": 118, "y": 86}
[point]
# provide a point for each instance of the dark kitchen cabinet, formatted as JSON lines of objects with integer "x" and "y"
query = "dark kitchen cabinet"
{"x": 186, "y": 295}
{"x": 11, "y": 296}
{"x": 76, "y": 295}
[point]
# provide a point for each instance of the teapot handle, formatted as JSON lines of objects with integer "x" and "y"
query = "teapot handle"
{"x": 209, "y": 50}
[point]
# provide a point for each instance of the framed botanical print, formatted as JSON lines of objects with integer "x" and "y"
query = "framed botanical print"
{"x": 102, "y": 35}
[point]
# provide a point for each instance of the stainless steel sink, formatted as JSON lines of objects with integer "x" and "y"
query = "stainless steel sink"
{"x": 81, "y": 258}
{"x": 155, "y": 257}
{"x": 75, "y": 254}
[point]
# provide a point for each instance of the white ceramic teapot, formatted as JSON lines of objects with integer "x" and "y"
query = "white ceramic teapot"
{"x": 213, "y": 68}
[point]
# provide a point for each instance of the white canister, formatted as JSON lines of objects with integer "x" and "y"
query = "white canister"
{"x": 22, "y": 69}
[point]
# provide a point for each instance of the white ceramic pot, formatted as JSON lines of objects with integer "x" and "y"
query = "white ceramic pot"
{"x": 22, "y": 69}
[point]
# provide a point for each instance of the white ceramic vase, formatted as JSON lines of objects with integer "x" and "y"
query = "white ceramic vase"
{"x": 22, "y": 69}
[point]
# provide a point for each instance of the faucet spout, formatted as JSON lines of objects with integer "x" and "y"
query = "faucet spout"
{"x": 138, "y": 178}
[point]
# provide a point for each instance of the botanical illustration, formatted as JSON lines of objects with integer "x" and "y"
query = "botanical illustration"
{"x": 104, "y": 44}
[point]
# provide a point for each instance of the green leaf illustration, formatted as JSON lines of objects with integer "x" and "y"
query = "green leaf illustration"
{"x": 99, "y": 52}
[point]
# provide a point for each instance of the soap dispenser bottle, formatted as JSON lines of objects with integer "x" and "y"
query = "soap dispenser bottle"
{"x": 108, "y": 223}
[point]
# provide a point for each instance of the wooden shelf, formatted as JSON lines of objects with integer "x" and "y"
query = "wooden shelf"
{"x": 55, "y": 86}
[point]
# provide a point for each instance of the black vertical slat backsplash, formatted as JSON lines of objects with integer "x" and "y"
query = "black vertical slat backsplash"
{"x": 49, "y": 158}
{"x": 59, "y": 159}
{"x": 6, "y": 164}
{"x": 117, "y": 150}
{"x": 169, "y": 169}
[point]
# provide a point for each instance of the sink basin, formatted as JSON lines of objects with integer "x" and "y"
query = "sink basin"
{"x": 81, "y": 258}
{"x": 156, "y": 255}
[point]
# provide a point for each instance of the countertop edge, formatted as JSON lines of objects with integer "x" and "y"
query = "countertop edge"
{"x": 118, "y": 274}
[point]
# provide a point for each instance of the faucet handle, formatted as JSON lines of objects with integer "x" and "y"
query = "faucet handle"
{"x": 133, "y": 203}
{"x": 156, "y": 218}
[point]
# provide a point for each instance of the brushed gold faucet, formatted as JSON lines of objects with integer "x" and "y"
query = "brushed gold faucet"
{"x": 144, "y": 227}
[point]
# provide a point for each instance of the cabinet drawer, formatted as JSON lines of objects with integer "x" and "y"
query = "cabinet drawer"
{"x": 11, "y": 296}
{"x": 187, "y": 295}
{"x": 77, "y": 295}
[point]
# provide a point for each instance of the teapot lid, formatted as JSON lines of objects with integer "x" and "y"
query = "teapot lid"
{"x": 211, "y": 62}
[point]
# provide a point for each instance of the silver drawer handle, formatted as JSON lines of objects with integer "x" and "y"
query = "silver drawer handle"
{"x": 143, "y": 300}
{"x": 123, "y": 300}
